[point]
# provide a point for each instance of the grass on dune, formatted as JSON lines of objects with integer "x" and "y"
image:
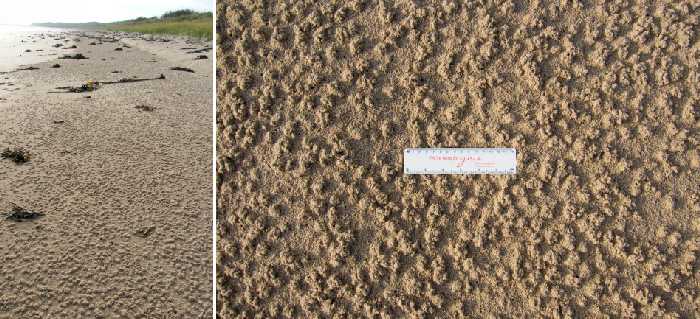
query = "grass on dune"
{"x": 180, "y": 22}
{"x": 198, "y": 28}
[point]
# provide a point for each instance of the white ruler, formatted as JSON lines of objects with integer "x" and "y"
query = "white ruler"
{"x": 459, "y": 161}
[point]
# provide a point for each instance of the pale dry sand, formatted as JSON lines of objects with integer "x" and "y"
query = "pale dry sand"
{"x": 103, "y": 174}
{"x": 319, "y": 99}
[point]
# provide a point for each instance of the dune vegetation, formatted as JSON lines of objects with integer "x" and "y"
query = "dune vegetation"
{"x": 181, "y": 22}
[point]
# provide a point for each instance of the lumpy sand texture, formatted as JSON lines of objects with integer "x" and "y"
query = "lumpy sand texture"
{"x": 317, "y": 101}
{"x": 120, "y": 173}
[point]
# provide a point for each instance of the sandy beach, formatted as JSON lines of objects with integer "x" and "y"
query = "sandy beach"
{"x": 121, "y": 174}
{"x": 318, "y": 100}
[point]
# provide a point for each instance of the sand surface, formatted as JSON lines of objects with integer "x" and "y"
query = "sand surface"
{"x": 126, "y": 193}
{"x": 318, "y": 100}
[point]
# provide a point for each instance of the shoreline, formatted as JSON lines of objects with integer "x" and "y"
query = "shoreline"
{"x": 22, "y": 46}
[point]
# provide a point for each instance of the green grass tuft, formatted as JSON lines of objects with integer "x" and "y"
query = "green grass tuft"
{"x": 198, "y": 28}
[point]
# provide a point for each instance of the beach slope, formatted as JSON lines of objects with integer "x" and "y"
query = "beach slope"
{"x": 120, "y": 167}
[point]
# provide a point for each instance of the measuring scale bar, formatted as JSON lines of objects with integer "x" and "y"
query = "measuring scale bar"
{"x": 459, "y": 161}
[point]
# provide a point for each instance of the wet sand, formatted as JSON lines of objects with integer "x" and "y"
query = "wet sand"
{"x": 318, "y": 100}
{"x": 24, "y": 46}
{"x": 125, "y": 191}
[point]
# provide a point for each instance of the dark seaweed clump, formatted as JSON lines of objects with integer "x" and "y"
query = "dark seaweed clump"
{"x": 18, "y": 155}
{"x": 78, "y": 56}
{"x": 19, "y": 214}
{"x": 146, "y": 108}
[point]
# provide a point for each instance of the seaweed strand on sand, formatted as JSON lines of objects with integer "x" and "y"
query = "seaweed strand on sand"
{"x": 92, "y": 85}
{"x": 19, "y": 214}
{"x": 177, "y": 68}
{"x": 77, "y": 56}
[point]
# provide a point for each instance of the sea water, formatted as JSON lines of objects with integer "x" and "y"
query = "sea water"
{"x": 16, "y": 40}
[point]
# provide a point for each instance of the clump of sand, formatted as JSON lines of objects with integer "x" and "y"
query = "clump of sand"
{"x": 318, "y": 100}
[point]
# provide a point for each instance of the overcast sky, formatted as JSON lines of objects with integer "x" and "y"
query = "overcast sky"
{"x": 24, "y": 12}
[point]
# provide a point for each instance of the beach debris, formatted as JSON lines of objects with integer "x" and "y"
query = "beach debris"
{"x": 57, "y": 45}
{"x": 201, "y": 57}
{"x": 31, "y": 68}
{"x": 144, "y": 232}
{"x": 59, "y": 122}
{"x": 19, "y": 214}
{"x": 146, "y": 108}
{"x": 87, "y": 87}
{"x": 27, "y": 50}
{"x": 56, "y": 66}
{"x": 126, "y": 46}
{"x": 92, "y": 43}
{"x": 94, "y": 85}
{"x": 207, "y": 49}
{"x": 72, "y": 47}
{"x": 118, "y": 49}
{"x": 177, "y": 68}
{"x": 129, "y": 80}
{"x": 116, "y": 71}
{"x": 77, "y": 56}
{"x": 87, "y": 97}
{"x": 17, "y": 155}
